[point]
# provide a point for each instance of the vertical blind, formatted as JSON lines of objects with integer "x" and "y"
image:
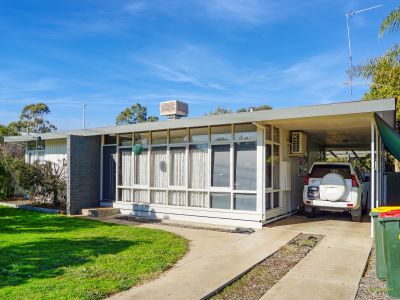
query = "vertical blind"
{"x": 141, "y": 175}
{"x": 198, "y": 158}
{"x": 125, "y": 167}
{"x": 178, "y": 166}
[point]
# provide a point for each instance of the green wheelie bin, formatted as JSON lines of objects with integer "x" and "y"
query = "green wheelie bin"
{"x": 378, "y": 234}
{"x": 391, "y": 239}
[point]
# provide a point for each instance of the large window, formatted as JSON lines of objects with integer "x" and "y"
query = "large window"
{"x": 198, "y": 164}
{"x": 178, "y": 166}
{"x": 272, "y": 167}
{"x": 268, "y": 166}
{"x": 220, "y": 164}
{"x": 125, "y": 167}
{"x": 276, "y": 167}
{"x": 246, "y": 166}
{"x": 159, "y": 173}
{"x": 141, "y": 168}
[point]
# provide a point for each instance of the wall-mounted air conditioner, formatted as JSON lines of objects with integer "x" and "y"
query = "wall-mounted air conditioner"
{"x": 298, "y": 144}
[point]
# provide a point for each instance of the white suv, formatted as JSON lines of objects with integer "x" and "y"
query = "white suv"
{"x": 334, "y": 187}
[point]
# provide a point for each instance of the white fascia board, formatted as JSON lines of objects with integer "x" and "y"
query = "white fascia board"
{"x": 342, "y": 108}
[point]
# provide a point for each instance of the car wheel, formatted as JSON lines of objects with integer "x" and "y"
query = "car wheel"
{"x": 356, "y": 218}
{"x": 310, "y": 214}
{"x": 356, "y": 215}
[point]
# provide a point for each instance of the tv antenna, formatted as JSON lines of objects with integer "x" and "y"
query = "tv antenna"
{"x": 350, "y": 14}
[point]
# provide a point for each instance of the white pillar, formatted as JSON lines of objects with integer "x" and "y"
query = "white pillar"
{"x": 372, "y": 175}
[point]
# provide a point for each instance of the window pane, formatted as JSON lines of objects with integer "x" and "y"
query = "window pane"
{"x": 245, "y": 166}
{"x": 158, "y": 197}
{"x": 124, "y": 195}
{"x": 276, "y": 167}
{"x": 141, "y": 169}
{"x": 268, "y": 132}
{"x": 37, "y": 145}
{"x": 142, "y": 138}
{"x": 158, "y": 169}
{"x": 245, "y": 132}
{"x": 276, "y": 135}
{"x": 178, "y": 166}
{"x": 41, "y": 145}
{"x": 177, "y": 198}
{"x": 276, "y": 200}
{"x": 199, "y": 135}
{"x": 158, "y": 137}
{"x": 245, "y": 202}
{"x": 221, "y": 133}
{"x": 125, "y": 167}
{"x": 198, "y": 199}
{"x": 268, "y": 166}
{"x": 268, "y": 201}
{"x": 220, "y": 164}
{"x": 178, "y": 136}
{"x": 220, "y": 200}
{"x": 125, "y": 139}
{"x": 110, "y": 139}
{"x": 198, "y": 164}
{"x": 141, "y": 196}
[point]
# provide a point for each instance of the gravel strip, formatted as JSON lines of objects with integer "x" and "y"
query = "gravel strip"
{"x": 261, "y": 278}
{"x": 370, "y": 286}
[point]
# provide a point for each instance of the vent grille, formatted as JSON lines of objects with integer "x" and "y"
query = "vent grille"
{"x": 298, "y": 144}
{"x": 174, "y": 109}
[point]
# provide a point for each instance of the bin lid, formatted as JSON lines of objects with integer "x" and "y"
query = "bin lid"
{"x": 390, "y": 216}
{"x": 382, "y": 209}
{"x": 375, "y": 212}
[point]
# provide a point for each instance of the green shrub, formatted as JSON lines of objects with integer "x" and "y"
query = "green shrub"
{"x": 6, "y": 181}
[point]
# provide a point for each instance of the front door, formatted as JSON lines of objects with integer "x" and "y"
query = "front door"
{"x": 109, "y": 173}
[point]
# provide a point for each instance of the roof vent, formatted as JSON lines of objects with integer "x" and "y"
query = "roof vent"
{"x": 174, "y": 109}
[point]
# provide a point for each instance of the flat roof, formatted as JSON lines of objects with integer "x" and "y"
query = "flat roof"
{"x": 340, "y": 108}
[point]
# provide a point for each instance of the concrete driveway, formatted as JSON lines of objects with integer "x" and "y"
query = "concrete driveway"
{"x": 334, "y": 268}
{"x": 214, "y": 259}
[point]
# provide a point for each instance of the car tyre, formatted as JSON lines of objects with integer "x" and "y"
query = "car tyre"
{"x": 311, "y": 214}
{"x": 356, "y": 216}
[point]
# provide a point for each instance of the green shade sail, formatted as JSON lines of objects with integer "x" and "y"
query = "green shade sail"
{"x": 390, "y": 138}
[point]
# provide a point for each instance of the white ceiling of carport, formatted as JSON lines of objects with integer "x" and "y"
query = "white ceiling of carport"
{"x": 339, "y": 131}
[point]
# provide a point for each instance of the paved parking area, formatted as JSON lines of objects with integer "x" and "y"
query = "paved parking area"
{"x": 214, "y": 259}
{"x": 333, "y": 269}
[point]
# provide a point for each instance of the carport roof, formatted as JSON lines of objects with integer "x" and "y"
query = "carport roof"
{"x": 269, "y": 116}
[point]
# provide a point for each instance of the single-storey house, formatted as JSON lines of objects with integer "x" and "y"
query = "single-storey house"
{"x": 243, "y": 169}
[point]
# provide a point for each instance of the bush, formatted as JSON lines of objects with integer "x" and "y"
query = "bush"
{"x": 43, "y": 181}
{"x": 6, "y": 181}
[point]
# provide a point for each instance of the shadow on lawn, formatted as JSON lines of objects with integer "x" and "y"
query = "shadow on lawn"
{"x": 47, "y": 258}
{"x": 22, "y": 221}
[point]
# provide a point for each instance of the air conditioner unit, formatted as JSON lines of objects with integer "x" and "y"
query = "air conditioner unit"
{"x": 298, "y": 145}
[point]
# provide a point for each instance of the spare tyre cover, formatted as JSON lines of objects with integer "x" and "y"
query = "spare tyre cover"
{"x": 332, "y": 187}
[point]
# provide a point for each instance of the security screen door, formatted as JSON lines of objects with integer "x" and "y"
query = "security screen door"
{"x": 109, "y": 173}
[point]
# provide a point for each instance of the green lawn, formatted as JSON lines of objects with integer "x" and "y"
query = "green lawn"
{"x": 46, "y": 256}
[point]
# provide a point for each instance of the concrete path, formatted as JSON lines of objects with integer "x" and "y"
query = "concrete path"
{"x": 334, "y": 268}
{"x": 214, "y": 259}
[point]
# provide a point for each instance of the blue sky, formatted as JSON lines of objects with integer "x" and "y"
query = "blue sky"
{"x": 234, "y": 53}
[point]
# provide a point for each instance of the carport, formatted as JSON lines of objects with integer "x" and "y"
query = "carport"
{"x": 348, "y": 132}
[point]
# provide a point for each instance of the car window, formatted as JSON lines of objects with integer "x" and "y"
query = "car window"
{"x": 319, "y": 171}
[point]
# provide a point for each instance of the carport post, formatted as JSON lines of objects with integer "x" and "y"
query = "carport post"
{"x": 372, "y": 175}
